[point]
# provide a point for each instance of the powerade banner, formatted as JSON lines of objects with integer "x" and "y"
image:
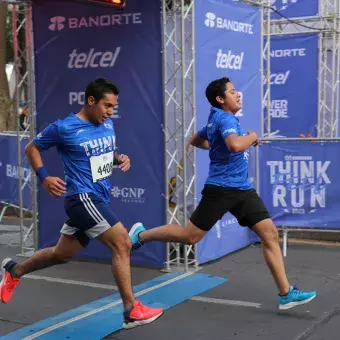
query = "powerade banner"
{"x": 228, "y": 44}
{"x": 299, "y": 183}
{"x": 76, "y": 43}
{"x": 10, "y": 172}
{"x": 295, "y": 8}
{"x": 294, "y": 85}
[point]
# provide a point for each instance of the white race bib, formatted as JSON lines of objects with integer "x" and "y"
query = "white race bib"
{"x": 101, "y": 166}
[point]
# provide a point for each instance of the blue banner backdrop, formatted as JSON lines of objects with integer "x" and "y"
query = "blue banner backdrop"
{"x": 299, "y": 183}
{"x": 294, "y": 85}
{"x": 76, "y": 43}
{"x": 9, "y": 172}
{"x": 295, "y": 8}
{"x": 228, "y": 44}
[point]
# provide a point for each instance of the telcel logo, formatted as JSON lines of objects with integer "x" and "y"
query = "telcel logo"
{"x": 229, "y": 60}
{"x": 92, "y": 59}
{"x": 278, "y": 78}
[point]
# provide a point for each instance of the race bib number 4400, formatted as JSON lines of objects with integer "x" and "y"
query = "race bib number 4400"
{"x": 101, "y": 166}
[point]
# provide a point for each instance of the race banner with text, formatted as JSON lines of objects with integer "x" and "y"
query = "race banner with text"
{"x": 10, "y": 172}
{"x": 228, "y": 44}
{"x": 294, "y": 86}
{"x": 76, "y": 43}
{"x": 299, "y": 183}
{"x": 294, "y": 8}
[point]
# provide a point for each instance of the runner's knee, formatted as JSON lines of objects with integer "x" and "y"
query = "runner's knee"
{"x": 192, "y": 238}
{"x": 123, "y": 245}
{"x": 119, "y": 240}
{"x": 193, "y": 234}
{"x": 270, "y": 235}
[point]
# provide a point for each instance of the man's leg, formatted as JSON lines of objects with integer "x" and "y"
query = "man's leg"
{"x": 66, "y": 248}
{"x": 117, "y": 239}
{"x": 269, "y": 236}
{"x": 173, "y": 233}
{"x": 213, "y": 205}
{"x": 253, "y": 213}
{"x": 289, "y": 296}
{"x": 135, "y": 313}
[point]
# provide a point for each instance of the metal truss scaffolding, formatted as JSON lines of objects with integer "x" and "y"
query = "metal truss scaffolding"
{"x": 179, "y": 123}
{"x": 24, "y": 91}
{"x": 266, "y": 99}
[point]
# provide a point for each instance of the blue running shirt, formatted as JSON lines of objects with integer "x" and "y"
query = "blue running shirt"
{"x": 87, "y": 151}
{"x": 226, "y": 169}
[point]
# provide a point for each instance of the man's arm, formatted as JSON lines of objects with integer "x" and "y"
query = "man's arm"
{"x": 199, "y": 142}
{"x": 34, "y": 156}
{"x": 237, "y": 143}
{"x": 200, "y": 139}
{"x": 53, "y": 185}
{"x": 46, "y": 139}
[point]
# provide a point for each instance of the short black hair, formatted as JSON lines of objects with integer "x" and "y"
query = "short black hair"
{"x": 216, "y": 89}
{"x": 99, "y": 87}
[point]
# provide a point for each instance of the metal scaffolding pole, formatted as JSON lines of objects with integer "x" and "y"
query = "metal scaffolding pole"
{"x": 179, "y": 123}
{"x": 266, "y": 101}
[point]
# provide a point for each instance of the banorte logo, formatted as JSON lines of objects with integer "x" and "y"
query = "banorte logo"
{"x": 284, "y": 4}
{"x": 210, "y": 19}
{"x": 57, "y": 24}
{"x": 214, "y": 21}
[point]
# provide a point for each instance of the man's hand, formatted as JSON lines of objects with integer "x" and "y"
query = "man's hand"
{"x": 257, "y": 141}
{"x": 124, "y": 162}
{"x": 54, "y": 186}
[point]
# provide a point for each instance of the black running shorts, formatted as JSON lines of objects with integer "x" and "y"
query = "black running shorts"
{"x": 89, "y": 216}
{"x": 245, "y": 205}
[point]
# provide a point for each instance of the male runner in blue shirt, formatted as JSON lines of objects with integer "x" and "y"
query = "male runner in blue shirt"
{"x": 86, "y": 142}
{"x": 228, "y": 189}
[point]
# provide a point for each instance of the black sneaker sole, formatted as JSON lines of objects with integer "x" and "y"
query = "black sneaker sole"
{"x": 136, "y": 323}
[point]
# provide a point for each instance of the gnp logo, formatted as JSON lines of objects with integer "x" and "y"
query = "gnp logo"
{"x": 212, "y": 21}
{"x": 58, "y": 23}
{"x": 129, "y": 195}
